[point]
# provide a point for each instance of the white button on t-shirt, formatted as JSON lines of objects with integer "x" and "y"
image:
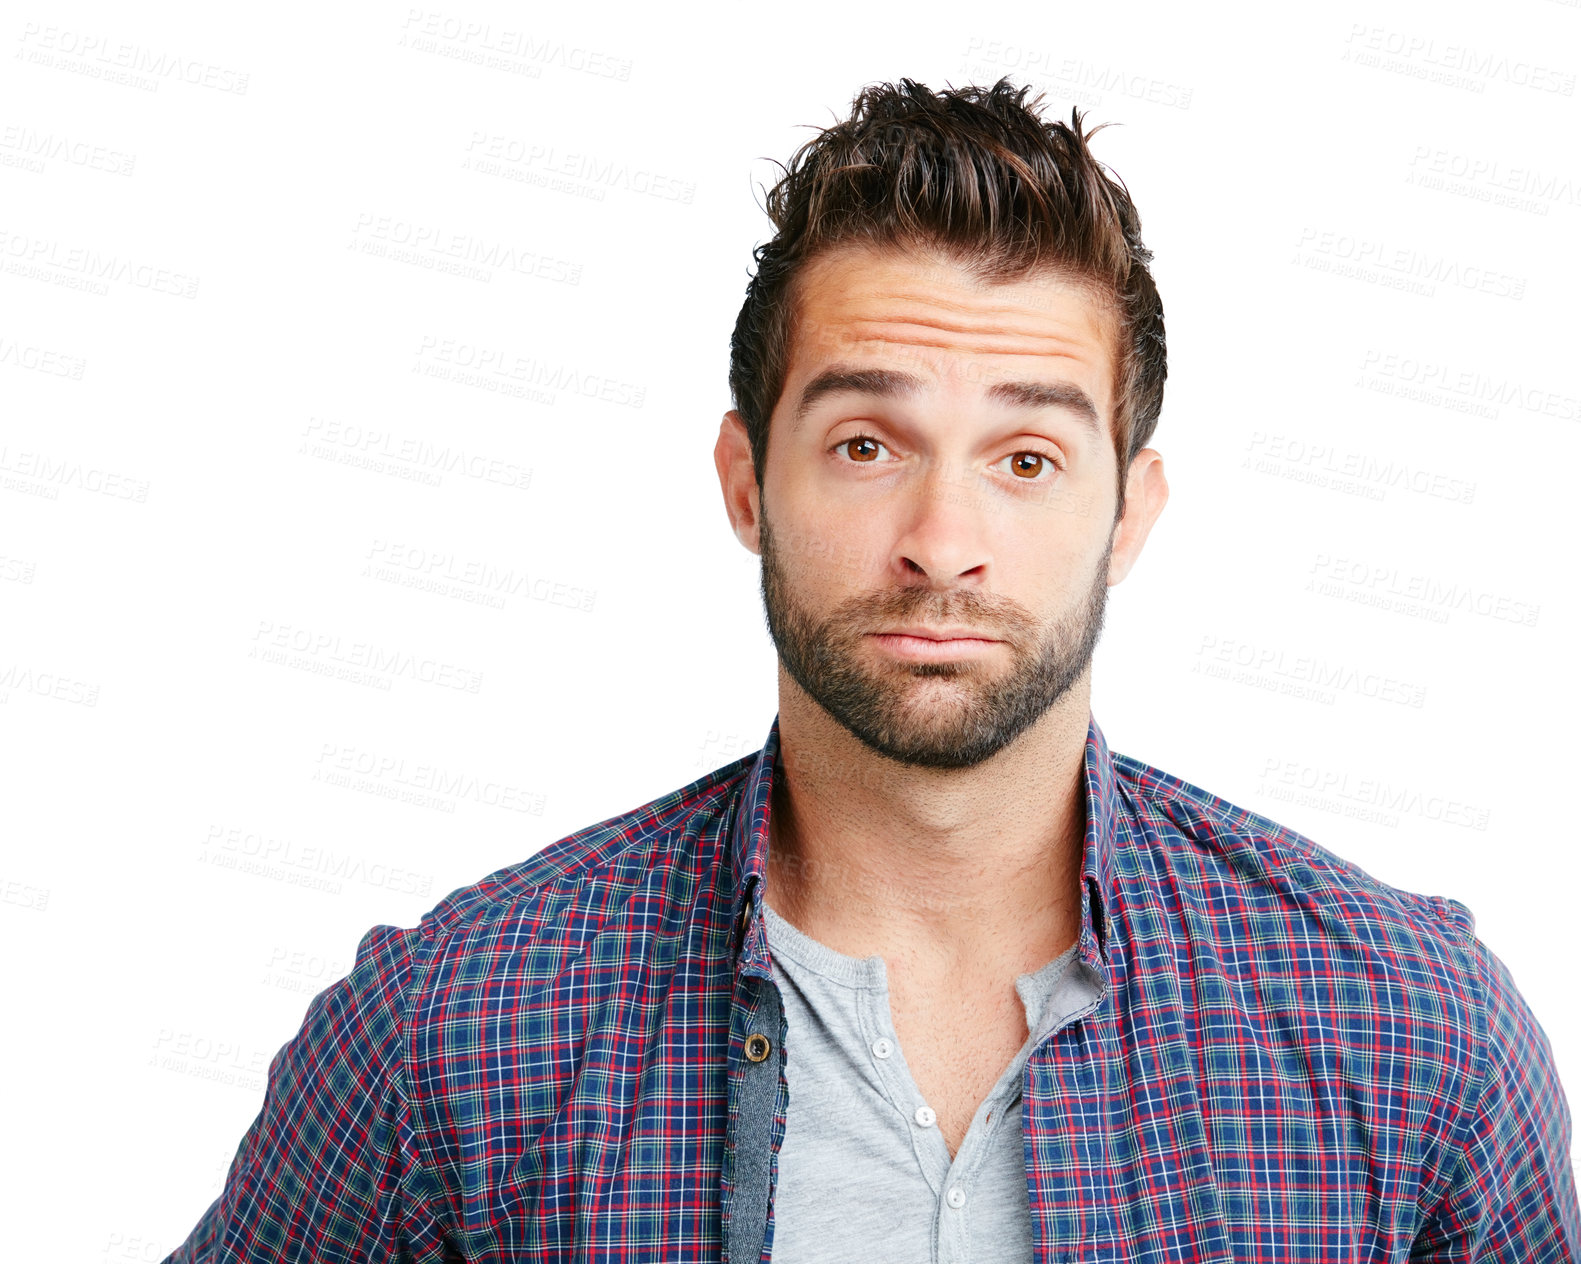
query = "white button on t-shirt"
{"x": 925, "y": 1116}
{"x": 956, "y": 1197}
{"x": 883, "y": 1047}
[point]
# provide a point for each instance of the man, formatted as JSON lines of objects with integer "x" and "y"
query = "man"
{"x": 934, "y": 975}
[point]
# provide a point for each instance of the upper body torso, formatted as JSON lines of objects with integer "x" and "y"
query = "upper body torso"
{"x": 584, "y": 1057}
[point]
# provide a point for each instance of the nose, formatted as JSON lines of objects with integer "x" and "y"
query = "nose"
{"x": 944, "y": 538}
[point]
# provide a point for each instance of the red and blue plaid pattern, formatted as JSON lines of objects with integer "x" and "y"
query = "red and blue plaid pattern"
{"x": 1290, "y": 1061}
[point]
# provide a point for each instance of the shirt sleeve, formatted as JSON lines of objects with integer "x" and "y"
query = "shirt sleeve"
{"x": 1513, "y": 1196}
{"x": 328, "y": 1172}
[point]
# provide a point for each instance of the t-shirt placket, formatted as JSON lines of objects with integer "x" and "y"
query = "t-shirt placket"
{"x": 952, "y": 1180}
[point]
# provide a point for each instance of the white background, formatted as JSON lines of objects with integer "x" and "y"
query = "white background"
{"x": 1364, "y": 219}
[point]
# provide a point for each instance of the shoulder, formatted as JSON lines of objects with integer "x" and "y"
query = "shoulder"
{"x": 667, "y": 846}
{"x": 1263, "y": 878}
{"x": 1341, "y": 972}
{"x": 1342, "y": 979}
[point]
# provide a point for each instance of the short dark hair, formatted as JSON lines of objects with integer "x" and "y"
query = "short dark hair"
{"x": 975, "y": 172}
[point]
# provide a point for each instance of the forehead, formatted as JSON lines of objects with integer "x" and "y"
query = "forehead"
{"x": 925, "y": 312}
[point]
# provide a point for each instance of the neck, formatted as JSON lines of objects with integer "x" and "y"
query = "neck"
{"x": 961, "y": 868}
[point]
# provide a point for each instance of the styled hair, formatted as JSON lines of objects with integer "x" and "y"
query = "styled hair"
{"x": 979, "y": 175}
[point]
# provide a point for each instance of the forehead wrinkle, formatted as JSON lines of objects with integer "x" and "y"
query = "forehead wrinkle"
{"x": 951, "y": 306}
{"x": 940, "y": 298}
{"x": 1014, "y": 316}
{"x": 1053, "y": 330}
{"x": 952, "y": 291}
{"x": 1009, "y": 341}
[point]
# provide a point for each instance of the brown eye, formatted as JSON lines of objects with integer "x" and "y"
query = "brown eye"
{"x": 1028, "y": 464}
{"x": 862, "y": 448}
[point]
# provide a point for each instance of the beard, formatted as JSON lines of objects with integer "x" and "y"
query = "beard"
{"x": 951, "y": 726}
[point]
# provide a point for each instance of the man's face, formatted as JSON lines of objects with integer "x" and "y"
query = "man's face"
{"x": 937, "y": 514}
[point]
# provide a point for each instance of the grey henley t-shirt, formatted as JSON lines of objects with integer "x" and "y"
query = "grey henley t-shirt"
{"x": 864, "y": 1174}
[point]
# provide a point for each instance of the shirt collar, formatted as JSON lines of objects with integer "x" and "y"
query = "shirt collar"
{"x": 1098, "y": 845}
{"x": 749, "y": 852}
{"x": 749, "y": 849}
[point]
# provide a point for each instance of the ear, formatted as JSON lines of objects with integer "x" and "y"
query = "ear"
{"x": 737, "y": 479}
{"x": 1146, "y": 492}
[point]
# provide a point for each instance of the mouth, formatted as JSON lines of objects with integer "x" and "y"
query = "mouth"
{"x": 951, "y": 632}
{"x": 935, "y": 644}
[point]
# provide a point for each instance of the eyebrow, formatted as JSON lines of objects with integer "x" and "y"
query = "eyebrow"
{"x": 893, "y": 383}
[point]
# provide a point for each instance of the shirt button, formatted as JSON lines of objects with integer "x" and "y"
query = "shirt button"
{"x": 956, "y": 1197}
{"x": 925, "y": 1116}
{"x": 757, "y": 1047}
{"x": 883, "y": 1047}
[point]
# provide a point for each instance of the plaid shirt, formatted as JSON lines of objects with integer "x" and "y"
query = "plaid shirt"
{"x": 581, "y": 1057}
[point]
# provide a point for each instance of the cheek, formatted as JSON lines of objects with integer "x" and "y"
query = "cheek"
{"x": 825, "y": 542}
{"x": 816, "y": 554}
{"x": 1058, "y": 569}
